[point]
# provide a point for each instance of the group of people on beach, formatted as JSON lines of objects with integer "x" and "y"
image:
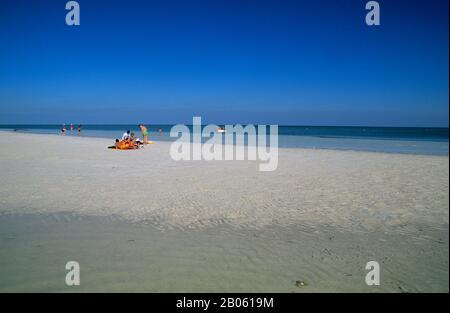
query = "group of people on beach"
{"x": 64, "y": 129}
{"x": 130, "y": 141}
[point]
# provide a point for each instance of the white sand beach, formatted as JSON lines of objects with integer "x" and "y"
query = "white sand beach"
{"x": 219, "y": 225}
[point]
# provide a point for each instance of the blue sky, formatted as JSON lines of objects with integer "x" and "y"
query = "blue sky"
{"x": 283, "y": 62}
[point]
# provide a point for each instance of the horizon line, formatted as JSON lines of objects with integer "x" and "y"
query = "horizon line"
{"x": 219, "y": 124}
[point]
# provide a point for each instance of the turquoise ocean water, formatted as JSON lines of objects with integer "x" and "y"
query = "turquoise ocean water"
{"x": 414, "y": 140}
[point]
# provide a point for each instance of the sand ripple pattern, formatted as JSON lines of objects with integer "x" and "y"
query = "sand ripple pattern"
{"x": 221, "y": 225}
{"x": 357, "y": 191}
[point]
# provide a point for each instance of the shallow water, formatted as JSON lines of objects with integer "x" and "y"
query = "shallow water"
{"x": 413, "y": 140}
{"x": 117, "y": 255}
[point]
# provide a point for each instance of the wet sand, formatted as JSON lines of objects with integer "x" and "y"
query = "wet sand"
{"x": 139, "y": 221}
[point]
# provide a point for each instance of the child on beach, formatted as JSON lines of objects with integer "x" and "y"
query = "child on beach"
{"x": 63, "y": 130}
{"x": 135, "y": 140}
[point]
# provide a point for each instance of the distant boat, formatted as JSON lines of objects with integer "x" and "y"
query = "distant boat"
{"x": 221, "y": 130}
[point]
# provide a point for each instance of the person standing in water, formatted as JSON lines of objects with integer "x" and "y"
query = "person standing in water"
{"x": 79, "y": 130}
{"x": 144, "y": 133}
{"x": 63, "y": 130}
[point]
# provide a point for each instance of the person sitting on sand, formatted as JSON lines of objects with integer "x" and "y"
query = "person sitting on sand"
{"x": 144, "y": 133}
{"x": 135, "y": 140}
{"x": 125, "y": 144}
{"x": 126, "y": 135}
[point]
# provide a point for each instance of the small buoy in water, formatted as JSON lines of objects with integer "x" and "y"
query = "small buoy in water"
{"x": 300, "y": 283}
